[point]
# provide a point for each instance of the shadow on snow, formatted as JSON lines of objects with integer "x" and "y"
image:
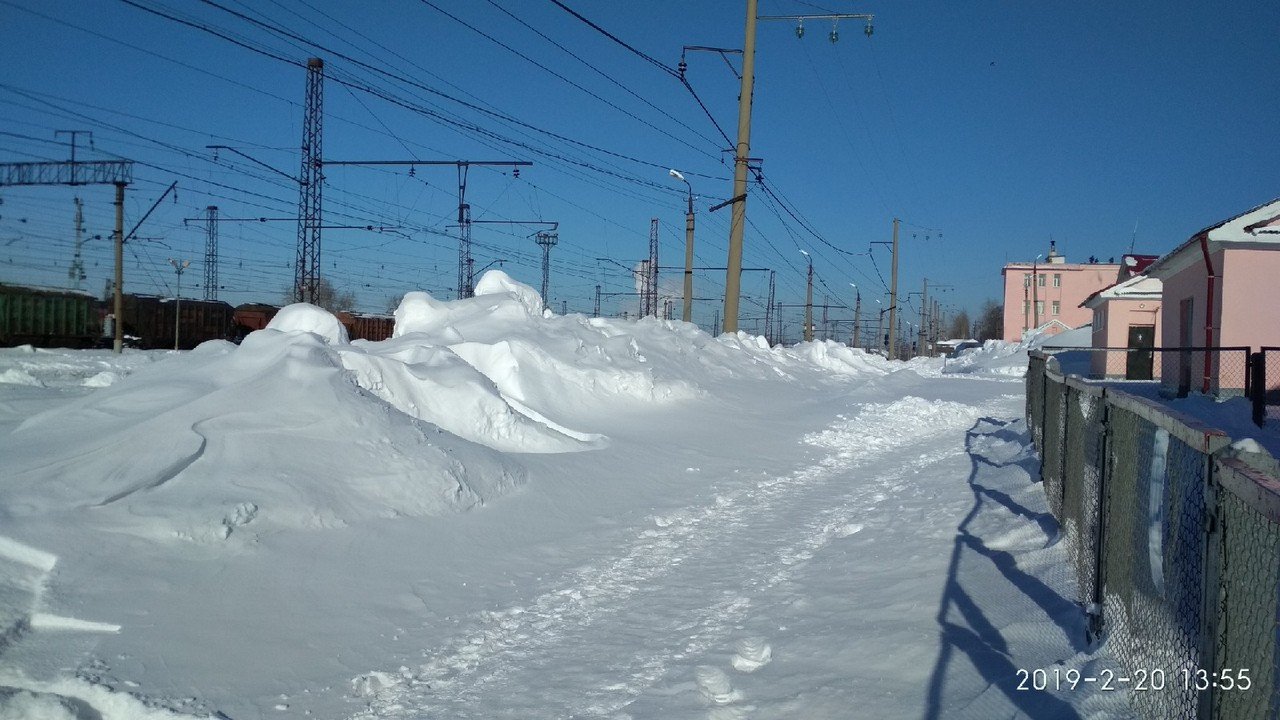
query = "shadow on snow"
{"x": 965, "y": 630}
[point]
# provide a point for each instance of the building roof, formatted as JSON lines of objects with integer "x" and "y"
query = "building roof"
{"x": 1256, "y": 228}
{"x": 1137, "y": 264}
{"x": 1138, "y": 287}
{"x": 1058, "y": 267}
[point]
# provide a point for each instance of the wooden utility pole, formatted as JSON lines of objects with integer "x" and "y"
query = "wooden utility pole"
{"x": 893, "y": 294}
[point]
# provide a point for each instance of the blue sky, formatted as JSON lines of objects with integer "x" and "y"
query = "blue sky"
{"x": 989, "y": 128}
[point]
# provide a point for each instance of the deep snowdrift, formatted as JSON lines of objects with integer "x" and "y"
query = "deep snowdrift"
{"x": 299, "y": 428}
{"x": 299, "y": 461}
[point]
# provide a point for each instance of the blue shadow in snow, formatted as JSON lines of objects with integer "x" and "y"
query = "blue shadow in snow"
{"x": 965, "y": 631}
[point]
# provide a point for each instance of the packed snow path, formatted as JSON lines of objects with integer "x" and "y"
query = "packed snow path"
{"x": 669, "y": 621}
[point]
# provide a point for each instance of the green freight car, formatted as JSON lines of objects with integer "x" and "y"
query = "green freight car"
{"x": 47, "y": 318}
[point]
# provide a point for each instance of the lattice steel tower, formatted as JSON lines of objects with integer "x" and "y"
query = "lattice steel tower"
{"x": 307, "y": 268}
{"x": 649, "y": 299}
{"x": 211, "y": 253}
{"x": 546, "y": 240}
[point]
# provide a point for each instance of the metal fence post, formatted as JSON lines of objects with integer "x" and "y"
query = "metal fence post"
{"x": 1212, "y": 589}
{"x": 1065, "y": 412}
{"x": 1094, "y": 611}
{"x": 1258, "y": 386}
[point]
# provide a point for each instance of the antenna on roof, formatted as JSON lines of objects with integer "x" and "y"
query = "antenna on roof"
{"x": 1134, "y": 239}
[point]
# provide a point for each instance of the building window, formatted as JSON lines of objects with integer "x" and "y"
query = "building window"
{"x": 1040, "y": 308}
{"x": 1040, "y": 279}
{"x": 1056, "y": 307}
{"x": 1057, "y": 279}
{"x": 1099, "y": 320}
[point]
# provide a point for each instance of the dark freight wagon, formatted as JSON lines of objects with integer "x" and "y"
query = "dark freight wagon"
{"x": 47, "y": 318}
{"x": 149, "y": 320}
{"x": 361, "y": 326}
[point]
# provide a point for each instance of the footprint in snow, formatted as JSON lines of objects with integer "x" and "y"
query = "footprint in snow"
{"x": 715, "y": 685}
{"x": 753, "y": 654}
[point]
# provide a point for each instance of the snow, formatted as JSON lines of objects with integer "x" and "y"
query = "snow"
{"x": 504, "y": 512}
{"x": 305, "y": 317}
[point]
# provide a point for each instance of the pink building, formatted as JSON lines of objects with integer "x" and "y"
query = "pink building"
{"x": 1037, "y": 293}
{"x": 1220, "y": 291}
{"x": 1126, "y": 315}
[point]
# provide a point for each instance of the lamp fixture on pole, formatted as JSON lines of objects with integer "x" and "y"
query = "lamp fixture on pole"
{"x": 688, "y": 249}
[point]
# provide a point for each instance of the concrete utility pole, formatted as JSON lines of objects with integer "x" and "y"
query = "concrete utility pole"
{"x": 688, "y": 250}
{"x": 1035, "y": 291}
{"x": 1026, "y": 303}
{"x": 893, "y": 294}
{"x": 808, "y": 301}
{"x": 596, "y": 310}
{"x": 737, "y": 222}
{"x": 857, "y": 316}
{"x": 177, "y": 306}
{"x": 769, "y": 333}
{"x": 881, "y": 341}
{"x": 924, "y": 308}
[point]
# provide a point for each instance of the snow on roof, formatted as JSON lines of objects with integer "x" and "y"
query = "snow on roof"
{"x": 1138, "y": 287}
{"x": 1138, "y": 264}
{"x": 1256, "y": 226}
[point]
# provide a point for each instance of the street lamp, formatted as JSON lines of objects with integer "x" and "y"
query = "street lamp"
{"x": 177, "y": 306}
{"x": 808, "y": 301}
{"x": 688, "y": 249}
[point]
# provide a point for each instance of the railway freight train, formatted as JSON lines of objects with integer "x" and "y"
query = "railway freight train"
{"x": 64, "y": 318}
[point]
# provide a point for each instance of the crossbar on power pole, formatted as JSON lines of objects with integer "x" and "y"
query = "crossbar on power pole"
{"x": 96, "y": 172}
{"x": 466, "y": 264}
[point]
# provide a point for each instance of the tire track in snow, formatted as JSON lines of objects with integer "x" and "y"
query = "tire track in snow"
{"x": 607, "y": 630}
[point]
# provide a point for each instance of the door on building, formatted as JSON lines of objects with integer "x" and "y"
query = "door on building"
{"x": 1186, "y": 314}
{"x": 1138, "y": 364}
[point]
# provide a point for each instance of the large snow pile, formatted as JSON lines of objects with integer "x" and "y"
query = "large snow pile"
{"x": 275, "y": 529}
{"x": 224, "y": 437}
{"x": 1000, "y": 358}
{"x": 995, "y": 358}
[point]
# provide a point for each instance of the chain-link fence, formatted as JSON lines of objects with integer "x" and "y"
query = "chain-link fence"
{"x": 1249, "y": 545}
{"x": 1175, "y": 547}
{"x": 1222, "y": 372}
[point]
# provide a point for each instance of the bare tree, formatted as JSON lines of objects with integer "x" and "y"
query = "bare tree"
{"x": 328, "y": 297}
{"x": 991, "y": 321}
{"x": 959, "y": 326}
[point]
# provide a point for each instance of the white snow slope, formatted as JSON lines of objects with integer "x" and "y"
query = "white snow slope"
{"x": 505, "y": 513}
